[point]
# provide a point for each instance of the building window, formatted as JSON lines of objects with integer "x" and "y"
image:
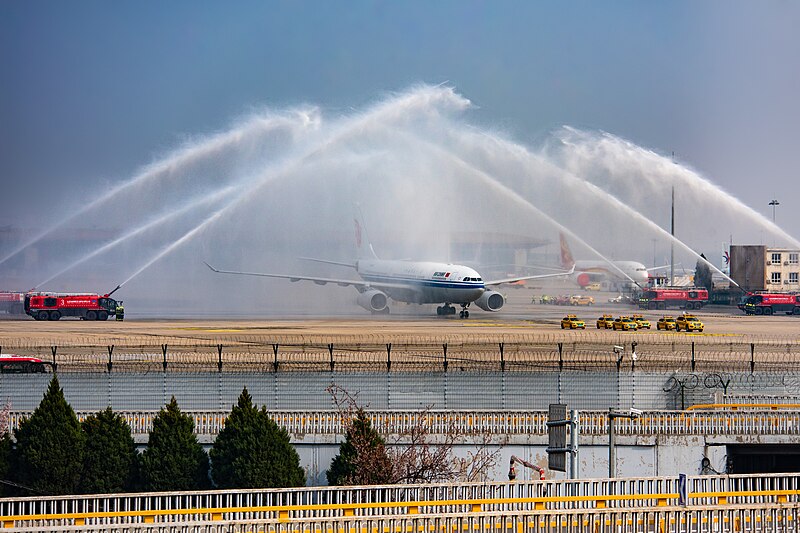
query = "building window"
{"x": 793, "y": 277}
{"x": 793, "y": 258}
{"x": 775, "y": 278}
{"x": 776, "y": 258}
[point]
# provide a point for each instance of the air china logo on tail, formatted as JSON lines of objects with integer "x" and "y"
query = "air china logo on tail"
{"x": 358, "y": 233}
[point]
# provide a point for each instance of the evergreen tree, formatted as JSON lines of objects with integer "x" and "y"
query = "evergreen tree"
{"x": 362, "y": 458}
{"x": 111, "y": 460}
{"x": 50, "y": 446}
{"x": 6, "y": 447}
{"x": 702, "y": 274}
{"x": 251, "y": 451}
{"x": 173, "y": 460}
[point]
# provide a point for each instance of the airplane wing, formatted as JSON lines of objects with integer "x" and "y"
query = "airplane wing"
{"x": 522, "y": 278}
{"x": 358, "y": 284}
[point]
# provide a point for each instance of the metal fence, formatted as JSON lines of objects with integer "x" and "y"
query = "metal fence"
{"x": 462, "y": 390}
{"x": 763, "y": 502}
{"x": 518, "y": 353}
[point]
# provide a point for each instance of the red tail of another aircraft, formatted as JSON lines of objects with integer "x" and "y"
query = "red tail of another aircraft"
{"x": 567, "y": 261}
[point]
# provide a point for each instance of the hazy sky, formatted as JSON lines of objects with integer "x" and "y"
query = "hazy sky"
{"x": 92, "y": 90}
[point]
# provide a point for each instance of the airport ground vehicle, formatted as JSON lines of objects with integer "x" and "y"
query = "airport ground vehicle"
{"x": 681, "y": 297}
{"x": 666, "y": 323}
{"x": 12, "y": 303}
{"x": 53, "y": 306}
{"x": 605, "y": 322}
{"x": 688, "y": 323}
{"x": 625, "y": 323}
{"x": 20, "y": 364}
{"x": 771, "y": 303}
{"x": 593, "y": 287}
{"x": 580, "y": 299}
{"x": 641, "y": 322}
{"x": 572, "y": 322}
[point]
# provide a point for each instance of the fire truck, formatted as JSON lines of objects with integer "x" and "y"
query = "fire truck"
{"x": 53, "y": 306}
{"x": 769, "y": 303}
{"x": 22, "y": 364}
{"x": 681, "y": 297}
{"x": 12, "y": 303}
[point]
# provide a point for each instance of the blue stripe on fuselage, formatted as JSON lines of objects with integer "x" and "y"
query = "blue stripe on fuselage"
{"x": 427, "y": 283}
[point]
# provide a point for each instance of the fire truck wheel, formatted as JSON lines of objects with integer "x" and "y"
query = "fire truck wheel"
{"x": 767, "y": 310}
{"x": 42, "y": 315}
{"x": 662, "y": 305}
{"x": 55, "y": 315}
{"x": 796, "y": 311}
{"x": 91, "y": 315}
{"x": 102, "y": 315}
{"x": 759, "y": 311}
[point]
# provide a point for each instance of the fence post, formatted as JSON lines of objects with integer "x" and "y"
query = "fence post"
{"x": 389, "y": 357}
{"x": 693, "y": 359}
{"x": 275, "y": 361}
{"x": 54, "y": 349}
{"x": 164, "y": 353}
{"x": 560, "y": 356}
{"x": 219, "y": 358}
{"x": 752, "y": 357}
{"x": 502, "y": 358}
{"x": 444, "y": 350}
{"x": 110, "y": 364}
{"x": 330, "y": 350}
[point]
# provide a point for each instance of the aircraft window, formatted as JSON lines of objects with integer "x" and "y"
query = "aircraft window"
{"x": 467, "y": 279}
{"x": 478, "y": 279}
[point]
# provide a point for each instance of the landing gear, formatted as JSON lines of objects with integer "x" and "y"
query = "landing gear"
{"x": 446, "y": 309}
{"x": 464, "y": 313}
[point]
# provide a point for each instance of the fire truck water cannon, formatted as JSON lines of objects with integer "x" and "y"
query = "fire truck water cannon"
{"x": 512, "y": 472}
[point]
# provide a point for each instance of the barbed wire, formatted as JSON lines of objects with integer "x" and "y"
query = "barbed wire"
{"x": 342, "y": 353}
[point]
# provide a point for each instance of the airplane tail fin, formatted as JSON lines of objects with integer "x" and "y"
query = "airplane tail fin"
{"x": 363, "y": 245}
{"x": 567, "y": 261}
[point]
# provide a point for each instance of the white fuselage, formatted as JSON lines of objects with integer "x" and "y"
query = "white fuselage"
{"x": 625, "y": 270}
{"x": 426, "y": 282}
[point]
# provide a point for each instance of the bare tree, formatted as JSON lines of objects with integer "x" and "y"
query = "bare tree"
{"x": 413, "y": 456}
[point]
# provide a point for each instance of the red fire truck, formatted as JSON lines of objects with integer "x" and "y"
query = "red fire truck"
{"x": 22, "y": 364}
{"x": 770, "y": 303}
{"x": 682, "y": 297}
{"x": 12, "y": 303}
{"x": 53, "y": 306}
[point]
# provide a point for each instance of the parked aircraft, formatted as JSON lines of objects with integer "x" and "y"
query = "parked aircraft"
{"x": 595, "y": 271}
{"x": 419, "y": 282}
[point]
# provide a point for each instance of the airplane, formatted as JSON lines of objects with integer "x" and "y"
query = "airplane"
{"x": 585, "y": 272}
{"x": 418, "y": 282}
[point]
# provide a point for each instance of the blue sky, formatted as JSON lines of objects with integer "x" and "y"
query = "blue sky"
{"x": 92, "y": 90}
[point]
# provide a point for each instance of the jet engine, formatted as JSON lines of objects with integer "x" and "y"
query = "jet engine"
{"x": 583, "y": 279}
{"x": 373, "y": 300}
{"x": 490, "y": 301}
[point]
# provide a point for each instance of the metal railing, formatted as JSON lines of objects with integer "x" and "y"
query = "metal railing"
{"x": 502, "y": 423}
{"x": 314, "y": 507}
{"x": 512, "y": 353}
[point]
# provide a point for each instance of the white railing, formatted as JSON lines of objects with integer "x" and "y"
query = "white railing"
{"x": 282, "y": 508}
{"x": 716, "y": 422}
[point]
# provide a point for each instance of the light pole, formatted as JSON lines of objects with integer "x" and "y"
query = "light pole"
{"x": 774, "y": 204}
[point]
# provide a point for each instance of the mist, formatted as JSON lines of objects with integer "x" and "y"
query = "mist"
{"x": 282, "y": 184}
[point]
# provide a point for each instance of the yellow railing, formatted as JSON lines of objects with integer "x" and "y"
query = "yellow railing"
{"x": 398, "y": 502}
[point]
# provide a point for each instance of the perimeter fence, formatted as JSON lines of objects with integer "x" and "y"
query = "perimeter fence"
{"x": 578, "y": 351}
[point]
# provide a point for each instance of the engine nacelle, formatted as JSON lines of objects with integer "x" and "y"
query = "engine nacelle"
{"x": 583, "y": 279}
{"x": 490, "y": 301}
{"x": 373, "y": 300}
